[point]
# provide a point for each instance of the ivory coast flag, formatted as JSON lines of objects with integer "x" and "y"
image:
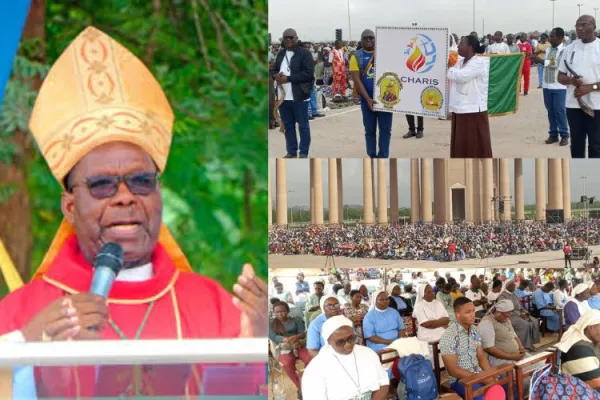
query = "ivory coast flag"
{"x": 504, "y": 83}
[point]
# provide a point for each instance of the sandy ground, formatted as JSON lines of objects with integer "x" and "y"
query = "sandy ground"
{"x": 340, "y": 134}
{"x": 547, "y": 259}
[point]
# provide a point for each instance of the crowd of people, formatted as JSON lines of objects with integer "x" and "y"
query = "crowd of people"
{"x": 434, "y": 242}
{"x": 302, "y": 71}
{"x": 479, "y": 323}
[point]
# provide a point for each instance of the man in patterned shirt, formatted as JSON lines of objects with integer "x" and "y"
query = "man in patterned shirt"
{"x": 461, "y": 348}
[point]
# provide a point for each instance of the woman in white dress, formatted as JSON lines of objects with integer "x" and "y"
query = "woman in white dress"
{"x": 343, "y": 370}
{"x": 431, "y": 315}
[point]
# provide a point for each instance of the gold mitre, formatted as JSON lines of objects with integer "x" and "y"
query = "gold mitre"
{"x": 98, "y": 92}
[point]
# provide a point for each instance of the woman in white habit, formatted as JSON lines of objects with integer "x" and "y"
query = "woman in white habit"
{"x": 343, "y": 370}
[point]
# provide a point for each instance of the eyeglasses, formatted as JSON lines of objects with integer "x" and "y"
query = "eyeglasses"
{"x": 368, "y": 38}
{"x": 288, "y": 38}
{"x": 336, "y": 305}
{"x": 105, "y": 186}
{"x": 342, "y": 342}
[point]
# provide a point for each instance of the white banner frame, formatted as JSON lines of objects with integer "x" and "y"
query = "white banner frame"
{"x": 399, "y": 73}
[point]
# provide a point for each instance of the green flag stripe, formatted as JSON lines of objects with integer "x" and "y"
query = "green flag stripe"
{"x": 504, "y": 76}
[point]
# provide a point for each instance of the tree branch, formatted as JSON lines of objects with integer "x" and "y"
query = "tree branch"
{"x": 199, "y": 33}
{"x": 223, "y": 51}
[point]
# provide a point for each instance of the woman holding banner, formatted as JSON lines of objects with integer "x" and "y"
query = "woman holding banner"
{"x": 468, "y": 102}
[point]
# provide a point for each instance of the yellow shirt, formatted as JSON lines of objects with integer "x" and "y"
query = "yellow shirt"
{"x": 541, "y": 47}
{"x": 456, "y": 295}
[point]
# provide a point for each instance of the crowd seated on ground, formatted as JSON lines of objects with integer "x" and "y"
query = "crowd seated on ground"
{"x": 508, "y": 331}
{"x": 435, "y": 242}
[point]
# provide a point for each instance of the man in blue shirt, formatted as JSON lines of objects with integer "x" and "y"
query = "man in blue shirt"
{"x": 362, "y": 70}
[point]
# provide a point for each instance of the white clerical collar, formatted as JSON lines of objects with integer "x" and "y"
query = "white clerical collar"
{"x": 137, "y": 274}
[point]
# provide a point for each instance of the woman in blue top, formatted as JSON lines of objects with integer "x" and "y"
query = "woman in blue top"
{"x": 382, "y": 324}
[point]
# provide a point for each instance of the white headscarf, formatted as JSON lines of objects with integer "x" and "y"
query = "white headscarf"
{"x": 390, "y": 288}
{"x": 421, "y": 292}
{"x": 324, "y": 299}
{"x": 582, "y": 287}
{"x": 503, "y": 305}
{"x": 575, "y": 332}
{"x": 506, "y": 283}
{"x": 374, "y": 301}
{"x": 333, "y": 324}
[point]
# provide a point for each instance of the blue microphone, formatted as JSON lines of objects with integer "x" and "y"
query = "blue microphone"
{"x": 109, "y": 262}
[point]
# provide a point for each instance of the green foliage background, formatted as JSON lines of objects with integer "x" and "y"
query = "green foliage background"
{"x": 208, "y": 58}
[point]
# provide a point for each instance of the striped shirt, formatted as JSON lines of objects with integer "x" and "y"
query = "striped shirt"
{"x": 456, "y": 340}
{"x": 581, "y": 361}
{"x": 552, "y": 62}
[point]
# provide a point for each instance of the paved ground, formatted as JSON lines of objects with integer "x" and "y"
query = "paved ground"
{"x": 547, "y": 259}
{"x": 341, "y": 134}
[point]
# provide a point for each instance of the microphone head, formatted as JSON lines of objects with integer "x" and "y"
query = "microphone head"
{"x": 111, "y": 256}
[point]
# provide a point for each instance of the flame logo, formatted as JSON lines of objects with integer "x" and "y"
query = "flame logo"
{"x": 416, "y": 61}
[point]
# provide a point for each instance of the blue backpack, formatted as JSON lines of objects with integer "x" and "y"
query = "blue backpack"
{"x": 418, "y": 378}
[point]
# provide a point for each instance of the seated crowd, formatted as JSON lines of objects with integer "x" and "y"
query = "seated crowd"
{"x": 474, "y": 324}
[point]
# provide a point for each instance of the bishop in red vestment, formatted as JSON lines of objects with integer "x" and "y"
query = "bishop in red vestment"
{"x": 104, "y": 126}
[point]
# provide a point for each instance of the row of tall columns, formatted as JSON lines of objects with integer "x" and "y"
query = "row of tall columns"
{"x": 480, "y": 174}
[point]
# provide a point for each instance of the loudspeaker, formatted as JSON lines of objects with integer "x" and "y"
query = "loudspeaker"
{"x": 270, "y": 42}
{"x": 555, "y": 216}
{"x": 338, "y": 34}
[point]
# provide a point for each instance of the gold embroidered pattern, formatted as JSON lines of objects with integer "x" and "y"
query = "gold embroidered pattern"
{"x": 130, "y": 125}
{"x": 100, "y": 78}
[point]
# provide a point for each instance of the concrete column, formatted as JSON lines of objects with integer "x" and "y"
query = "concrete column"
{"x": 519, "y": 190}
{"x": 415, "y": 191}
{"x": 469, "y": 189}
{"x": 477, "y": 189}
{"x": 540, "y": 190}
{"x": 333, "y": 192}
{"x": 368, "y": 216}
{"x": 318, "y": 188}
{"x": 488, "y": 189}
{"x": 394, "y": 212}
{"x": 555, "y": 196}
{"x": 270, "y": 203}
{"x": 505, "y": 189}
{"x": 281, "y": 213}
{"x": 426, "y": 190}
{"x": 496, "y": 189}
{"x": 566, "y": 181}
{"x": 311, "y": 175}
{"x": 373, "y": 183}
{"x": 440, "y": 196}
{"x": 340, "y": 190}
{"x": 382, "y": 217}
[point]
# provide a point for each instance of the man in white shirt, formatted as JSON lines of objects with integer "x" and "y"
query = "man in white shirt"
{"x": 555, "y": 94}
{"x": 343, "y": 370}
{"x": 476, "y": 295}
{"x": 560, "y": 294}
{"x": 583, "y": 57}
{"x": 294, "y": 71}
{"x": 343, "y": 295}
{"x": 495, "y": 292}
{"x": 499, "y": 47}
{"x": 464, "y": 284}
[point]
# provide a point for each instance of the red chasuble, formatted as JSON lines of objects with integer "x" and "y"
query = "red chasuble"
{"x": 186, "y": 306}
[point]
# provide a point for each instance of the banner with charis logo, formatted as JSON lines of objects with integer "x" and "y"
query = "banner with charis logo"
{"x": 410, "y": 71}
